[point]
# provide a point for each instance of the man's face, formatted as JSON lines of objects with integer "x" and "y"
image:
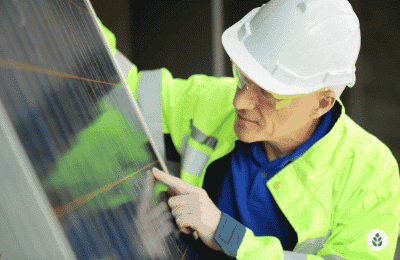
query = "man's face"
{"x": 258, "y": 119}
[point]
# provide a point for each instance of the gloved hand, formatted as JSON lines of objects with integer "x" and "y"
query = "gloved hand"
{"x": 192, "y": 208}
{"x": 154, "y": 224}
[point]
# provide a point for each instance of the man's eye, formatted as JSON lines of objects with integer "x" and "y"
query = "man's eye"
{"x": 270, "y": 96}
{"x": 265, "y": 93}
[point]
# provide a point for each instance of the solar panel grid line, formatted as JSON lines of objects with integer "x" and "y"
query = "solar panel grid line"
{"x": 61, "y": 211}
{"x": 23, "y": 66}
{"x": 78, "y": 6}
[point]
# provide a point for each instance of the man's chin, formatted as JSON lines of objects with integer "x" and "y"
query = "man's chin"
{"x": 244, "y": 136}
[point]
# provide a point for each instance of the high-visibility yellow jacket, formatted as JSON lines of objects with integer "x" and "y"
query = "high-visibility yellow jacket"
{"x": 342, "y": 196}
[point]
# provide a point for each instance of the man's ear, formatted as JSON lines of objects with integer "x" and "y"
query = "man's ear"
{"x": 326, "y": 102}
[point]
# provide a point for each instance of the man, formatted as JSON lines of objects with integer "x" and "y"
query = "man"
{"x": 271, "y": 166}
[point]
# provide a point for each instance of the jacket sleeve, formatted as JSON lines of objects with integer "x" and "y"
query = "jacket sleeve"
{"x": 357, "y": 232}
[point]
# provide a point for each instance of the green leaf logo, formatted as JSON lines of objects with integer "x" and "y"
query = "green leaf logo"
{"x": 377, "y": 240}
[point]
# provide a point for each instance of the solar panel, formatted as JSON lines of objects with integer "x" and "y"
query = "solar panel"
{"x": 75, "y": 149}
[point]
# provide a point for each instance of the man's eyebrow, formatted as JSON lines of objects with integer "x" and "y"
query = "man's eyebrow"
{"x": 263, "y": 91}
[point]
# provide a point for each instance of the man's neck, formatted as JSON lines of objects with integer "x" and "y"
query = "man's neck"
{"x": 274, "y": 150}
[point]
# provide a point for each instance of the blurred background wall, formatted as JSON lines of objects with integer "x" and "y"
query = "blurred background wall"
{"x": 185, "y": 38}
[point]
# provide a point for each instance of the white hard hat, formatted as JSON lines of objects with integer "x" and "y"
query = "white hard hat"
{"x": 297, "y": 46}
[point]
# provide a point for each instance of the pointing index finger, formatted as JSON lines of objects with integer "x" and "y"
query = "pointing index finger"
{"x": 179, "y": 185}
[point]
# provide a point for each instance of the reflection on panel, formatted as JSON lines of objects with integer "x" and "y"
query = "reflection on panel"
{"x": 88, "y": 148}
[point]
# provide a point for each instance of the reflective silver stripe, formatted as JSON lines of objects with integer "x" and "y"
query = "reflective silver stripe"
{"x": 312, "y": 245}
{"x": 194, "y": 161}
{"x": 123, "y": 63}
{"x": 298, "y": 256}
{"x": 332, "y": 257}
{"x": 185, "y": 140}
{"x": 287, "y": 255}
{"x": 202, "y": 138}
{"x": 149, "y": 99}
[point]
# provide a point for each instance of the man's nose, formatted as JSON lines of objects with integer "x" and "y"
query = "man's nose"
{"x": 245, "y": 99}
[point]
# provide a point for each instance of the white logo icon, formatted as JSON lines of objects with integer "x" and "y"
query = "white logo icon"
{"x": 377, "y": 240}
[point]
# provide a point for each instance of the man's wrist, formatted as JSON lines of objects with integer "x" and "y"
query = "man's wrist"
{"x": 229, "y": 234}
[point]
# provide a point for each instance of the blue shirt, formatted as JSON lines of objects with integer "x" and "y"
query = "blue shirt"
{"x": 245, "y": 197}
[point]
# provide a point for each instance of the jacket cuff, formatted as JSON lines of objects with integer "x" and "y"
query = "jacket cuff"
{"x": 229, "y": 234}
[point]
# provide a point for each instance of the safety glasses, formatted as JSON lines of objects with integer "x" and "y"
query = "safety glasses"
{"x": 272, "y": 100}
{"x": 241, "y": 80}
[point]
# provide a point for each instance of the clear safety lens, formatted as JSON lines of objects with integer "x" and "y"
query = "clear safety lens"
{"x": 240, "y": 78}
{"x": 272, "y": 101}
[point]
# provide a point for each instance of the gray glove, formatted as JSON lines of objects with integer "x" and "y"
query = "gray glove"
{"x": 154, "y": 224}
